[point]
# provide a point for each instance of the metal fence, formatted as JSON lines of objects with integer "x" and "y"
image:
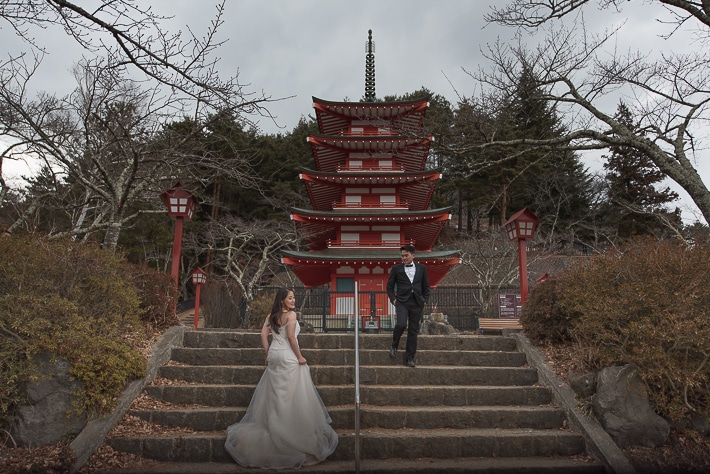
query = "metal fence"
{"x": 331, "y": 311}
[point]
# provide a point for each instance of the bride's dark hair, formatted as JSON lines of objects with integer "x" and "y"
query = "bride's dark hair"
{"x": 277, "y": 308}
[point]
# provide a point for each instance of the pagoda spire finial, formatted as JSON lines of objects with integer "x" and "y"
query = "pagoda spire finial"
{"x": 369, "y": 68}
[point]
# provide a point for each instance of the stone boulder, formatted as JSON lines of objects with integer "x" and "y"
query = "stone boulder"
{"x": 442, "y": 327}
{"x": 46, "y": 417}
{"x": 583, "y": 385}
{"x": 621, "y": 405}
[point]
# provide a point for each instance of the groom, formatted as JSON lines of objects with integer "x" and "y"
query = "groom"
{"x": 408, "y": 290}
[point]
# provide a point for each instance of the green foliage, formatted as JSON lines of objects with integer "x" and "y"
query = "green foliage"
{"x": 103, "y": 372}
{"x": 647, "y": 305}
{"x": 73, "y": 301}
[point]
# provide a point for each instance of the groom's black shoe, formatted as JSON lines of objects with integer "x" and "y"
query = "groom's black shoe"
{"x": 393, "y": 352}
{"x": 410, "y": 363}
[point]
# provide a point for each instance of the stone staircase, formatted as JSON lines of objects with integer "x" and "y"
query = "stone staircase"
{"x": 472, "y": 404}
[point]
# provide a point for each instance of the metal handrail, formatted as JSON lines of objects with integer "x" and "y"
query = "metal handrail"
{"x": 356, "y": 318}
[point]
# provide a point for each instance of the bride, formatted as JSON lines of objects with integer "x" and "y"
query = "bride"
{"x": 286, "y": 425}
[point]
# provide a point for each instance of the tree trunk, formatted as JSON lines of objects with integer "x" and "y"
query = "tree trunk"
{"x": 112, "y": 232}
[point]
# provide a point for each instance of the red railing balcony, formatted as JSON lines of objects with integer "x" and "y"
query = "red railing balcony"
{"x": 369, "y": 244}
{"x": 368, "y": 132}
{"x": 370, "y": 167}
{"x": 403, "y": 205}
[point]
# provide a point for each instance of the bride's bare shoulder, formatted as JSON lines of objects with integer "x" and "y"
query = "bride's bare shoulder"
{"x": 287, "y": 318}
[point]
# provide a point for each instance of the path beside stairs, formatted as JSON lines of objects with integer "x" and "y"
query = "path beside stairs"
{"x": 472, "y": 404}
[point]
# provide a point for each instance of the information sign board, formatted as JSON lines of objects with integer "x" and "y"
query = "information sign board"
{"x": 509, "y": 306}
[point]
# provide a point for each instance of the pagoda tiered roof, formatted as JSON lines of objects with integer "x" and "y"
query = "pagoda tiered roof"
{"x": 418, "y": 227}
{"x": 414, "y": 188}
{"x": 405, "y": 118}
{"x": 332, "y": 152}
{"x": 312, "y": 268}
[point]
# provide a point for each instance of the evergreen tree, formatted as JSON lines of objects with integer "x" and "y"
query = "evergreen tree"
{"x": 474, "y": 174}
{"x": 551, "y": 182}
{"x": 636, "y": 206}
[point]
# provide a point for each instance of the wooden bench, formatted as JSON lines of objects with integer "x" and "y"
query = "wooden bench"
{"x": 498, "y": 324}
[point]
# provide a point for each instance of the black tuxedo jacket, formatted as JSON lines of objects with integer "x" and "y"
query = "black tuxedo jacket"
{"x": 399, "y": 288}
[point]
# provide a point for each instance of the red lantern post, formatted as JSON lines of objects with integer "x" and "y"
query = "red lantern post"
{"x": 198, "y": 278}
{"x": 521, "y": 226}
{"x": 181, "y": 206}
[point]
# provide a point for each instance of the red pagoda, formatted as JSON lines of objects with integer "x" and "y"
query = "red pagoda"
{"x": 370, "y": 195}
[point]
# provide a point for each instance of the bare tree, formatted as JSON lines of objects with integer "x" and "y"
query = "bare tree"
{"x": 245, "y": 253}
{"x": 113, "y": 143}
{"x": 582, "y": 76}
{"x": 135, "y": 69}
{"x": 132, "y": 34}
{"x": 493, "y": 263}
{"x": 534, "y": 13}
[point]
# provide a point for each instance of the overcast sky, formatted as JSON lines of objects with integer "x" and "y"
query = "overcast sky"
{"x": 306, "y": 48}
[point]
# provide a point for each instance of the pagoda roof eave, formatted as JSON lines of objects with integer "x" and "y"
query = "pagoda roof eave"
{"x": 409, "y": 154}
{"x": 309, "y": 266}
{"x": 364, "y": 213}
{"x": 385, "y": 255}
{"x": 347, "y": 141}
{"x": 400, "y": 176}
{"x": 334, "y": 117}
{"x": 325, "y": 188}
{"x": 340, "y": 103}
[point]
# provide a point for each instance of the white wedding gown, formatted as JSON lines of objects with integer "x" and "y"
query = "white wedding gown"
{"x": 286, "y": 425}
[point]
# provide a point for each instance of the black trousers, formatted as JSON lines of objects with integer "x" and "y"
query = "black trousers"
{"x": 409, "y": 317}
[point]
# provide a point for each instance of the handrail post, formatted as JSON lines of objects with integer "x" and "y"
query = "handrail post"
{"x": 356, "y": 318}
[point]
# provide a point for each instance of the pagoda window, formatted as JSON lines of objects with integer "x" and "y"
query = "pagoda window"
{"x": 386, "y": 164}
{"x": 364, "y": 164}
{"x": 390, "y": 238}
{"x": 353, "y": 200}
{"x": 349, "y": 238}
{"x": 388, "y": 201}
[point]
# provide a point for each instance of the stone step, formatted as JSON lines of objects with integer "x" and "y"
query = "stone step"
{"x": 376, "y": 444}
{"x": 472, "y": 404}
{"x": 339, "y": 375}
{"x": 251, "y": 339}
{"x": 512, "y": 465}
{"x": 388, "y": 417}
{"x": 379, "y": 395}
{"x": 425, "y": 357}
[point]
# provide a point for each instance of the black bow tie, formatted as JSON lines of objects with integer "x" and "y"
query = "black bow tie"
{"x": 410, "y": 265}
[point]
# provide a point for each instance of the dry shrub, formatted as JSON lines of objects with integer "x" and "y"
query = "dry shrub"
{"x": 544, "y": 320}
{"x": 647, "y": 305}
{"x": 220, "y": 304}
{"x": 158, "y": 295}
{"x": 260, "y": 308}
{"x": 73, "y": 301}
